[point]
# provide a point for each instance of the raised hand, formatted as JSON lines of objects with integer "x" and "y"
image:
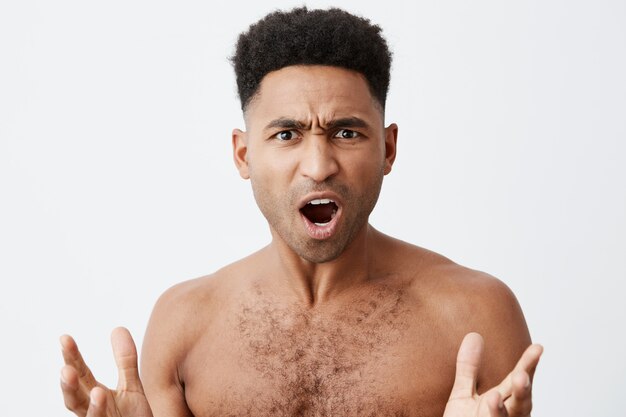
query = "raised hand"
{"x": 511, "y": 398}
{"x": 86, "y": 397}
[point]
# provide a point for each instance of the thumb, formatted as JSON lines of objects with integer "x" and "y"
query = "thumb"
{"x": 467, "y": 365}
{"x": 125, "y": 354}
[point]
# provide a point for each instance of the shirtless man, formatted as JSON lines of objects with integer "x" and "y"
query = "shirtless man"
{"x": 332, "y": 318}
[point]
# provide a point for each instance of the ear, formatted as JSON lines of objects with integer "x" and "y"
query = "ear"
{"x": 240, "y": 152}
{"x": 391, "y": 139}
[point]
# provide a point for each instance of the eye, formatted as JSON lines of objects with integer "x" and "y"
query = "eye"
{"x": 347, "y": 134}
{"x": 286, "y": 135}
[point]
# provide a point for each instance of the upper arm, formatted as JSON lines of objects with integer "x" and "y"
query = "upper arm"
{"x": 498, "y": 317}
{"x": 164, "y": 345}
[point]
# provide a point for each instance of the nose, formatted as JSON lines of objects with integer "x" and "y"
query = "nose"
{"x": 318, "y": 161}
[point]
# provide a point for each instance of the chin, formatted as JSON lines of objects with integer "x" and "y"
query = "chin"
{"x": 320, "y": 253}
{"x": 318, "y": 258}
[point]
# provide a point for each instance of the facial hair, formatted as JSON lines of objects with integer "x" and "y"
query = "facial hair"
{"x": 283, "y": 215}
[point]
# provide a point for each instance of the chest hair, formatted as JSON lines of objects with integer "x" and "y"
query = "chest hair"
{"x": 324, "y": 363}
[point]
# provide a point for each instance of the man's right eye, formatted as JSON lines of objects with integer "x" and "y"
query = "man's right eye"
{"x": 286, "y": 135}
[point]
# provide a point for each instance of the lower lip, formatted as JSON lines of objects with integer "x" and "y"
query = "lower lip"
{"x": 321, "y": 232}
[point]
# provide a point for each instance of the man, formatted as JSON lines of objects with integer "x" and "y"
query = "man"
{"x": 332, "y": 318}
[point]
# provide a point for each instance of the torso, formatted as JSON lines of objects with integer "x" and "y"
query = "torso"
{"x": 367, "y": 356}
{"x": 387, "y": 348}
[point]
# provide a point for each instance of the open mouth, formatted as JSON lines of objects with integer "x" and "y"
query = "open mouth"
{"x": 320, "y": 211}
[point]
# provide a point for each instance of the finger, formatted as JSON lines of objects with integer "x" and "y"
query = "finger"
{"x": 97, "y": 403}
{"x": 125, "y": 354}
{"x": 72, "y": 357}
{"x": 467, "y": 365}
{"x": 529, "y": 360}
{"x": 519, "y": 404}
{"x": 75, "y": 399}
{"x": 527, "y": 363}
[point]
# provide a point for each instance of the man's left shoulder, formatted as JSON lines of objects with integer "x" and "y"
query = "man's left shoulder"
{"x": 462, "y": 293}
{"x": 462, "y": 300}
{"x": 475, "y": 293}
{"x": 487, "y": 305}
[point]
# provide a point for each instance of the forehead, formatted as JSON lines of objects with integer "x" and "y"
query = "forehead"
{"x": 313, "y": 92}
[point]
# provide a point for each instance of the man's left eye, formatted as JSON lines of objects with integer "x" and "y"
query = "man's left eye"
{"x": 346, "y": 134}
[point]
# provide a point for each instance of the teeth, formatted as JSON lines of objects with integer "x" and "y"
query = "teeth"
{"x": 321, "y": 224}
{"x": 321, "y": 201}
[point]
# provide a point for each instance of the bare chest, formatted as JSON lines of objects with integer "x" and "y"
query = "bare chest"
{"x": 357, "y": 360}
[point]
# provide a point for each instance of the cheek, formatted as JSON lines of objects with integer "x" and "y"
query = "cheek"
{"x": 269, "y": 178}
{"x": 266, "y": 176}
{"x": 364, "y": 167}
{"x": 273, "y": 172}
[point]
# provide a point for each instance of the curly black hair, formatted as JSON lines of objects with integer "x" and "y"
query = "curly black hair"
{"x": 300, "y": 36}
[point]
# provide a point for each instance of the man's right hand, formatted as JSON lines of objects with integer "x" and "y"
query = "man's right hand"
{"x": 86, "y": 397}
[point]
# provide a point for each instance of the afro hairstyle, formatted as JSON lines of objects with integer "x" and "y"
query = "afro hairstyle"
{"x": 300, "y": 36}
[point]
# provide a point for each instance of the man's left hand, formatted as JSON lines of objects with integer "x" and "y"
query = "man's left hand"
{"x": 511, "y": 398}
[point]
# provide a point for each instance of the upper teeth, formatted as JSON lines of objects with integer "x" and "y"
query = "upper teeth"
{"x": 321, "y": 201}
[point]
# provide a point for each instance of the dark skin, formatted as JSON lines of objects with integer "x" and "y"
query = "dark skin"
{"x": 330, "y": 319}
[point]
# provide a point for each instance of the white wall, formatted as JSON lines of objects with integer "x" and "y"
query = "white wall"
{"x": 116, "y": 178}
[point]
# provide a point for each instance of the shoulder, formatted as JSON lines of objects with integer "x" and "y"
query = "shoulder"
{"x": 469, "y": 295}
{"x": 186, "y": 309}
{"x": 171, "y": 327}
{"x": 477, "y": 300}
{"x": 188, "y": 306}
{"x": 455, "y": 292}
{"x": 179, "y": 318}
{"x": 463, "y": 300}
{"x": 184, "y": 298}
{"x": 484, "y": 304}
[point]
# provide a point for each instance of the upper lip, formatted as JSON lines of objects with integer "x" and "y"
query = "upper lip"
{"x": 319, "y": 195}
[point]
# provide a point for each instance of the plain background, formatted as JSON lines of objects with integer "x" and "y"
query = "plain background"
{"x": 116, "y": 177}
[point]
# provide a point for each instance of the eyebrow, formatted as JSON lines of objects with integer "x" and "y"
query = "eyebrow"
{"x": 288, "y": 123}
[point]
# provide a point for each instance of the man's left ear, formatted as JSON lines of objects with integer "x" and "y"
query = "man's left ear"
{"x": 391, "y": 139}
{"x": 240, "y": 152}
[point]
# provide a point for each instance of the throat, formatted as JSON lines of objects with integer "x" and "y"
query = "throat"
{"x": 313, "y": 283}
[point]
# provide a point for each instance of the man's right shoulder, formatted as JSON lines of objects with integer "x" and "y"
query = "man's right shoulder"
{"x": 198, "y": 295}
{"x": 188, "y": 308}
{"x": 207, "y": 294}
{"x": 188, "y": 294}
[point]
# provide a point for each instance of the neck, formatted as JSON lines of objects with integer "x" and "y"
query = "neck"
{"x": 316, "y": 283}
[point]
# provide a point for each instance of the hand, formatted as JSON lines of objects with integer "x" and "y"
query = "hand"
{"x": 86, "y": 397}
{"x": 511, "y": 398}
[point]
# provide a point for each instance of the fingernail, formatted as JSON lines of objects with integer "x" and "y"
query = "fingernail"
{"x": 500, "y": 404}
{"x": 527, "y": 382}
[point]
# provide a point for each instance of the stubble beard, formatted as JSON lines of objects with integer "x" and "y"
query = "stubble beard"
{"x": 285, "y": 221}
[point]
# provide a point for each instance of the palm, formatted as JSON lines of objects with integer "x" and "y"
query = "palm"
{"x": 129, "y": 403}
{"x": 467, "y": 407}
{"x": 512, "y": 397}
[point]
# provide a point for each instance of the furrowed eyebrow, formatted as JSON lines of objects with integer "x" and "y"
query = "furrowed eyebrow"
{"x": 345, "y": 122}
{"x": 284, "y": 123}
